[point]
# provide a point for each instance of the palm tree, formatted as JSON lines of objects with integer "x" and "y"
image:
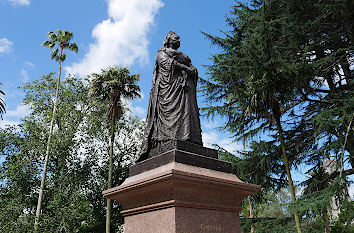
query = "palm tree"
{"x": 61, "y": 39}
{"x": 110, "y": 86}
{"x": 2, "y": 104}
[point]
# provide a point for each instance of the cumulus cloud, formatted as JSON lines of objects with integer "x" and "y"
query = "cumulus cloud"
{"x": 19, "y": 2}
{"x": 29, "y": 64}
{"x": 122, "y": 38}
{"x": 20, "y": 111}
{"x": 24, "y": 71}
{"x": 12, "y": 117}
{"x": 5, "y": 45}
{"x": 24, "y": 75}
{"x": 5, "y": 122}
{"x": 210, "y": 138}
{"x": 139, "y": 111}
{"x": 211, "y": 124}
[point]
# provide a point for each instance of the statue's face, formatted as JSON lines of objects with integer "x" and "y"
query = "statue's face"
{"x": 175, "y": 41}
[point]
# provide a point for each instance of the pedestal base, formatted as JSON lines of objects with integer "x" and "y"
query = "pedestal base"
{"x": 183, "y": 220}
{"x": 180, "y": 198}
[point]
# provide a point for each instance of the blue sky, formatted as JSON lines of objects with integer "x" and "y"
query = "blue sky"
{"x": 123, "y": 32}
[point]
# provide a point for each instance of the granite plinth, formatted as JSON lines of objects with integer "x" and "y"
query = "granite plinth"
{"x": 181, "y": 155}
{"x": 181, "y": 198}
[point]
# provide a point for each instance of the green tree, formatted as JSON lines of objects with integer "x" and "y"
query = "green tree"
{"x": 2, "y": 104}
{"x": 110, "y": 86}
{"x": 286, "y": 67}
{"x": 62, "y": 40}
{"x": 325, "y": 38}
{"x": 250, "y": 77}
{"x": 326, "y": 125}
{"x": 77, "y": 173}
{"x": 23, "y": 152}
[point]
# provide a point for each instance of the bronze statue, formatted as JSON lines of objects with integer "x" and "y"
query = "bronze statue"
{"x": 173, "y": 111}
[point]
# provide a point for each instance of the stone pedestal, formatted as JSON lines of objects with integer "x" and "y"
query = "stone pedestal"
{"x": 166, "y": 194}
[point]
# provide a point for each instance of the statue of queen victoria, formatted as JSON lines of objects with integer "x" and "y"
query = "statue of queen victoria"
{"x": 173, "y": 111}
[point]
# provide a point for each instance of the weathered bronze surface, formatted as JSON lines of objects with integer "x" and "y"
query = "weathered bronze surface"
{"x": 183, "y": 146}
{"x": 173, "y": 111}
{"x": 183, "y": 158}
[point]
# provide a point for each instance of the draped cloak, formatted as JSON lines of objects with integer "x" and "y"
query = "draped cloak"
{"x": 173, "y": 111}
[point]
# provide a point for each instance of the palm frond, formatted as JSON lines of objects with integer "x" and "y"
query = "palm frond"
{"x": 62, "y": 40}
{"x": 54, "y": 54}
{"x": 52, "y": 36}
{"x": 48, "y": 44}
{"x": 113, "y": 84}
{"x": 62, "y": 58}
{"x": 2, "y": 104}
{"x": 73, "y": 47}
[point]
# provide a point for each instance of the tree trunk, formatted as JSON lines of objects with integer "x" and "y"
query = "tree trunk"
{"x": 251, "y": 212}
{"x": 249, "y": 197}
{"x": 110, "y": 167}
{"x": 325, "y": 221}
{"x": 287, "y": 169}
{"x": 341, "y": 168}
{"x": 46, "y": 159}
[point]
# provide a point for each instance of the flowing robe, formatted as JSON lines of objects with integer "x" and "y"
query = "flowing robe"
{"x": 173, "y": 111}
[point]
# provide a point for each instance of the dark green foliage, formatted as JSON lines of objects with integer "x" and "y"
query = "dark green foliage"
{"x": 258, "y": 166}
{"x": 289, "y": 64}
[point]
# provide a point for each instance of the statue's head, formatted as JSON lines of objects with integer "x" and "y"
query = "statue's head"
{"x": 172, "y": 40}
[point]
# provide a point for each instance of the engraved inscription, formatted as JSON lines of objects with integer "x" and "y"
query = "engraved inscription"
{"x": 214, "y": 228}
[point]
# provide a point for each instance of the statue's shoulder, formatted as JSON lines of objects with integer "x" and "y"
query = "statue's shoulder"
{"x": 161, "y": 55}
{"x": 169, "y": 52}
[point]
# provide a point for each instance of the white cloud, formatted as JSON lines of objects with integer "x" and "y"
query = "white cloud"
{"x": 210, "y": 138}
{"x": 24, "y": 71}
{"x": 29, "y": 64}
{"x": 228, "y": 144}
{"x": 20, "y": 111}
{"x": 19, "y": 2}
{"x": 139, "y": 111}
{"x": 122, "y": 38}
{"x": 12, "y": 117}
{"x": 211, "y": 124}
{"x": 24, "y": 75}
{"x": 5, "y": 45}
{"x": 6, "y": 122}
{"x": 136, "y": 110}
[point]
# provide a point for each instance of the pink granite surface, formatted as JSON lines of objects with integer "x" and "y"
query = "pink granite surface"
{"x": 183, "y": 220}
{"x": 160, "y": 221}
{"x": 181, "y": 198}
